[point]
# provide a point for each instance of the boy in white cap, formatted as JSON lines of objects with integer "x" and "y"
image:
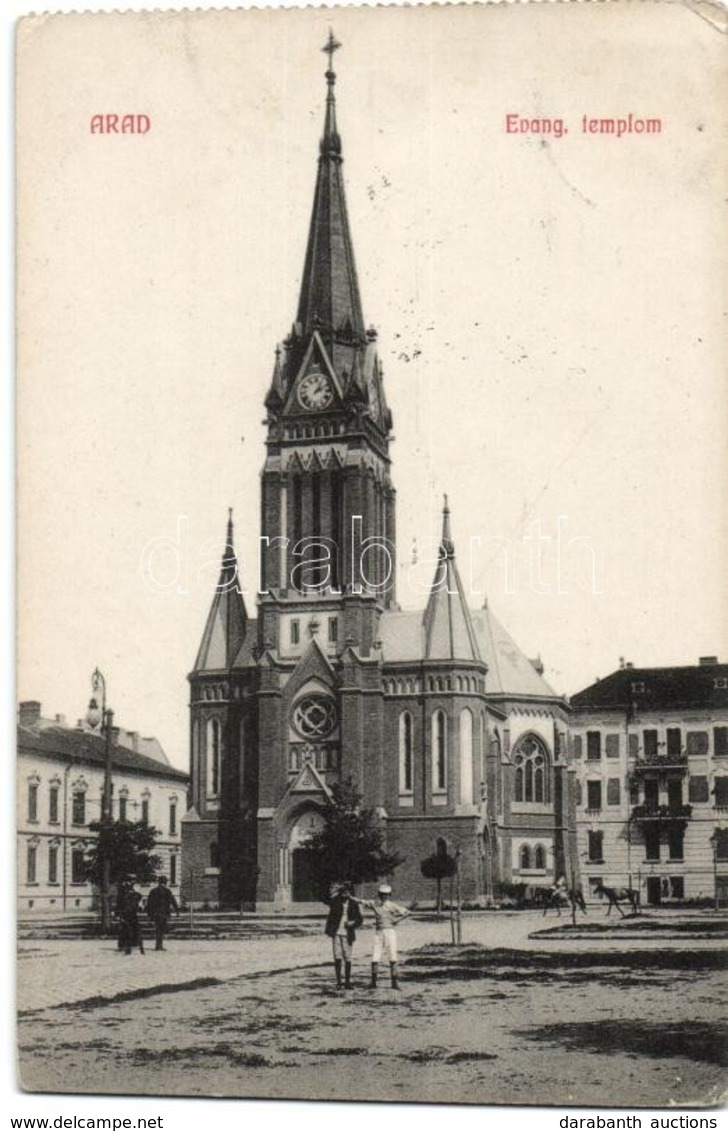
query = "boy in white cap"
{"x": 386, "y": 915}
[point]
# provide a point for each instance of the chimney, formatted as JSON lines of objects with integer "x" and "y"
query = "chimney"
{"x": 115, "y": 731}
{"x": 61, "y": 720}
{"x": 134, "y": 740}
{"x": 621, "y": 663}
{"x": 704, "y": 661}
{"x": 29, "y": 714}
{"x": 629, "y": 666}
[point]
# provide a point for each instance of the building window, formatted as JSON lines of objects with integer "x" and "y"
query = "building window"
{"x": 637, "y": 688}
{"x": 122, "y": 808}
{"x": 439, "y": 751}
{"x": 721, "y": 792}
{"x": 173, "y": 870}
{"x": 594, "y": 795}
{"x": 31, "y": 862}
{"x": 721, "y": 845}
{"x": 698, "y": 789}
{"x": 593, "y": 746}
{"x": 531, "y": 774}
{"x": 698, "y": 742}
{"x": 214, "y": 855}
{"x": 53, "y": 805}
{"x": 675, "y": 838}
{"x": 145, "y": 810}
{"x": 677, "y": 885}
{"x": 466, "y": 757}
{"x": 649, "y": 740}
{"x": 634, "y": 792}
{"x": 295, "y": 632}
{"x": 539, "y": 858}
{"x": 173, "y": 818}
{"x": 525, "y": 858}
{"x": 405, "y": 753}
{"x": 596, "y": 849}
{"x": 652, "y": 844}
{"x": 32, "y": 801}
{"x": 613, "y": 791}
{"x": 633, "y": 745}
{"x": 214, "y": 746}
{"x": 52, "y": 864}
{"x": 333, "y": 630}
{"x": 611, "y": 745}
{"x": 577, "y": 792}
{"x": 77, "y": 866}
{"x": 576, "y": 745}
{"x": 78, "y": 808}
{"x": 674, "y": 742}
{"x": 720, "y": 742}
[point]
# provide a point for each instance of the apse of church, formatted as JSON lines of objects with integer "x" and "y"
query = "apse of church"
{"x": 448, "y": 731}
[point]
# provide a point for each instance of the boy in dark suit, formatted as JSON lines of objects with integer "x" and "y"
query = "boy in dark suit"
{"x": 341, "y": 923}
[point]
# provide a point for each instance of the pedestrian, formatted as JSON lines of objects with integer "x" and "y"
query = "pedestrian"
{"x": 127, "y": 910}
{"x": 386, "y": 916}
{"x": 160, "y": 905}
{"x": 341, "y": 923}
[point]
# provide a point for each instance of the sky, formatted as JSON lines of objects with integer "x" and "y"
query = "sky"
{"x": 550, "y": 316}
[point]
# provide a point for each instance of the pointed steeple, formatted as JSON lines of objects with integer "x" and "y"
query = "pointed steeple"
{"x": 227, "y": 620}
{"x": 329, "y": 299}
{"x": 449, "y": 632}
{"x": 276, "y": 393}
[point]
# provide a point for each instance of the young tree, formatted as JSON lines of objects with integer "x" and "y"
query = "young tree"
{"x": 128, "y": 846}
{"x": 439, "y": 867}
{"x": 350, "y": 845}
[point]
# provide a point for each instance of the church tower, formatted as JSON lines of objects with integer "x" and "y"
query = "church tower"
{"x": 328, "y": 524}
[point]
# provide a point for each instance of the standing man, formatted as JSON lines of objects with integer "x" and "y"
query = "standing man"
{"x": 127, "y": 908}
{"x": 341, "y": 923}
{"x": 386, "y": 916}
{"x": 160, "y": 905}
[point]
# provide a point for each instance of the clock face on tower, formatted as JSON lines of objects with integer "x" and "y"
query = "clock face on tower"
{"x": 315, "y": 392}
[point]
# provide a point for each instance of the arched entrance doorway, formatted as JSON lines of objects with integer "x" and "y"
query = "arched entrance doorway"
{"x": 304, "y": 888}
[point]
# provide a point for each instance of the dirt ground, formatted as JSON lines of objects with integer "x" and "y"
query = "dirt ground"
{"x": 473, "y": 1024}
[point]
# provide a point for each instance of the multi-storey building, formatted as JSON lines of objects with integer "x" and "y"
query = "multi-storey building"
{"x": 59, "y": 795}
{"x": 447, "y": 729}
{"x": 650, "y": 751}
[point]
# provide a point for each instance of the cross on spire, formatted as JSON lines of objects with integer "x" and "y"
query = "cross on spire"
{"x": 330, "y": 47}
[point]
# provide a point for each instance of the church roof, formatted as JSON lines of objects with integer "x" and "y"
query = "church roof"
{"x": 227, "y": 621}
{"x": 450, "y": 630}
{"x": 510, "y": 673}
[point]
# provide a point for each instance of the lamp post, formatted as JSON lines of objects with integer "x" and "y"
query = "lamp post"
{"x": 103, "y": 717}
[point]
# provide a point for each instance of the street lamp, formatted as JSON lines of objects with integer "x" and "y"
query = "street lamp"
{"x": 103, "y": 717}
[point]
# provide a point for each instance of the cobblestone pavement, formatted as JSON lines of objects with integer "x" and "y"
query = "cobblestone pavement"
{"x": 51, "y": 973}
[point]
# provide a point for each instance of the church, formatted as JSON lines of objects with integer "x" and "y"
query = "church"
{"x": 449, "y": 732}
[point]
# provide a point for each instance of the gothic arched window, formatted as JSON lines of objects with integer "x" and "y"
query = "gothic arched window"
{"x": 531, "y": 772}
{"x": 214, "y": 756}
{"x": 466, "y": 757}
{"x": 525, "y": 858}
{"x": 539, "y": 857}
{"x": 439, "y": 751}
{"x": 406, "y": 758}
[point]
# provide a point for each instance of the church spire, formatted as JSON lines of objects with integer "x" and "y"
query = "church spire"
{"x": 449, "y": 632}
{"x": 329, "y": 300}
{"x": 227, "y": 620}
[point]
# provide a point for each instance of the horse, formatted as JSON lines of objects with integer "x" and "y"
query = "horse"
{"x": 565, "y": 897}
{"x": 615, "y": 896}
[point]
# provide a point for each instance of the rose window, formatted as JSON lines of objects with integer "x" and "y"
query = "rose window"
{"x": 314, "y": 716}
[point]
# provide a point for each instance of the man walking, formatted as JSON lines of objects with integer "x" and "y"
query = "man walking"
{"x": 341, "y": 923}
{"x": 160, "y": 904}
{"x": 386, "y": 916}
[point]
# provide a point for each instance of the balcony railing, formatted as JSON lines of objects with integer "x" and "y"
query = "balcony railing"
{"x": 661, "y": 812}
{"x": 661, "y": 761}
